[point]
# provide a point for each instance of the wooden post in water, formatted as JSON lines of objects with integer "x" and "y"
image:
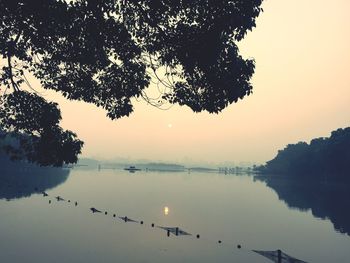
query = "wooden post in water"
{"x": 177, "y": 231}
{"x": 279, "y": 256}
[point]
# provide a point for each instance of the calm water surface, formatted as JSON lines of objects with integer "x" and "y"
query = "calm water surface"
{"x": 234, "y": 209}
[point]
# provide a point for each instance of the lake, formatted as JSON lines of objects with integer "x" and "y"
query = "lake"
{"x": 312, "y": 225}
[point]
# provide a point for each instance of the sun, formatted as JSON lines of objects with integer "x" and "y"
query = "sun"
{"x": 170, "y": 125}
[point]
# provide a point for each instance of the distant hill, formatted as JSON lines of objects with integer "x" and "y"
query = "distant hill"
{"x": 324, "y": 158}
{"x": 203, "y": 169}
{"x": 151, "y": 166}
{"x": 162, "y": 167}
{"x": 87, "y": 162}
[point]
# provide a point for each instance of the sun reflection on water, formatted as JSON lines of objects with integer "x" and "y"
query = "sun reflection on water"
{"x": 166, "y": 210}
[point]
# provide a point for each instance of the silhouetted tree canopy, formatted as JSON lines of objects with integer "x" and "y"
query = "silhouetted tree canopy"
{"x": 34, "y": 124}
{"x": 107, "y": 53}
{"x": 323, "y": 158}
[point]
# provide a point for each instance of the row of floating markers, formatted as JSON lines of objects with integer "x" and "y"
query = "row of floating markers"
{"x": 276, "y": 256}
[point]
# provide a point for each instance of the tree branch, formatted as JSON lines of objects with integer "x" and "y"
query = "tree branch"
{"x": 9, "y": 55}
{"x": 14, "y": 85}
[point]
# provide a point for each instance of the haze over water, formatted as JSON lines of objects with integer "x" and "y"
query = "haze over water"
{"x": 230, "y": 208}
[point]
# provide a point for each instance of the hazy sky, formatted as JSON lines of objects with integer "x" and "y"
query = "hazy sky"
{"x": 301, "y": 91}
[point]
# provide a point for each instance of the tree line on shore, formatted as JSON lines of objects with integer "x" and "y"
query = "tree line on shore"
{"x": 323, "y": 158}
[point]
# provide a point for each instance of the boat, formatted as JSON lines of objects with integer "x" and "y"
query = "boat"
{"x": 132, "y": 169}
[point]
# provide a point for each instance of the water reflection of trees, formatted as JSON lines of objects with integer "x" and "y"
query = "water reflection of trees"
{"x": 18, "y": 180}
{"x": 326, "y": 201}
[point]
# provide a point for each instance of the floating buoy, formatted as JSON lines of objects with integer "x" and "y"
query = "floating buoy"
{"x": 94, "y": 210}
{"x": 152, "y": 225}
{"x": 68, "y": 201}
{"x": 198, "y": 236}
{"x": 113, "y": 215}
{"x": 239, "y": 246}
{"x": 59, "y": 198}
{"x": 141, "y": 222}
{"x": 106, "y": 213}
{"x": 49, "y": 201}
{"x": 76, "y": 203}
{"x": 219, "y": 241}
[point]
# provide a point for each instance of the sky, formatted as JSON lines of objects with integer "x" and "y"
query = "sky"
{"x": 301, "y": 91}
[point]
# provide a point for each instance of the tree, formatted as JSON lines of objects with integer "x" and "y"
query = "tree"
{"x": 323, "y": 158}
{"x": 107, "y": 53}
